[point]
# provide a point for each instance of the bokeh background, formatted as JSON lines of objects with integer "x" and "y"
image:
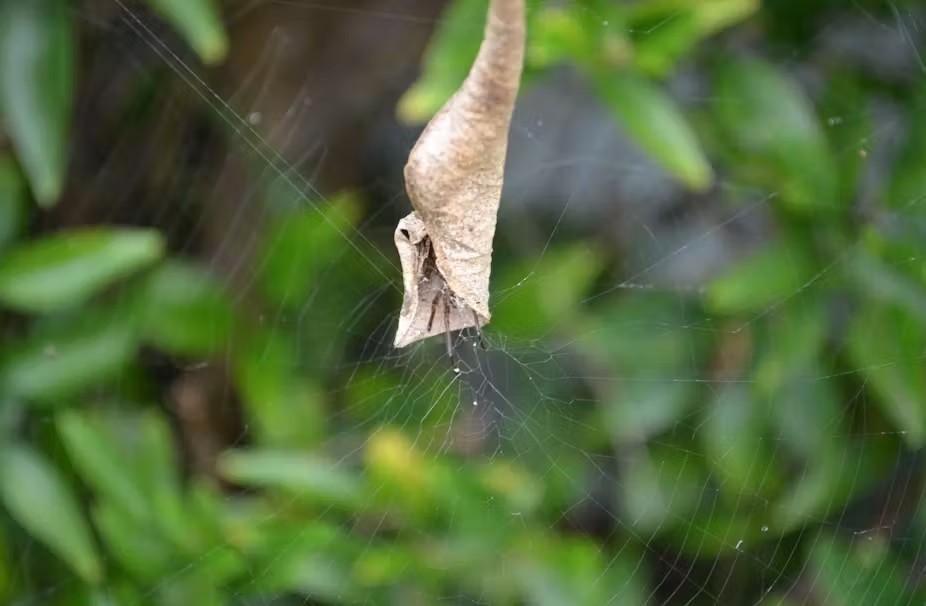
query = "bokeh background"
{"x": 704, "y": 381}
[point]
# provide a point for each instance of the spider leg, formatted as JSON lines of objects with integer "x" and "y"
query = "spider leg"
{"x": 433, "y": 310}
{"x": 447, "y": 327}
{"x": 482, "y": 341}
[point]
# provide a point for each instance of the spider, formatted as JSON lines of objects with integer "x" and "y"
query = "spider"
{"x": 428, "y": 270}
{"x": 450, "y": 299}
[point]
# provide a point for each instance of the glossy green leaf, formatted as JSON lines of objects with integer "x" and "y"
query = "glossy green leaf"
{"x": 299, "y": 474}
{"x": 200, "y": 22}
{"x": 183, "y": 310}
{"x": 762, "y": 280}
{"x": 64, "y": 269}
{"x": 655, "y": 122}
{"x": 61, "y": 361}
{"x": 37, "y": 497}
{"x": 101, "y": 463}
{"x": 12, "y": 202}
{"x": 37, "y": 58}
{"x": 774, "y": 134}
{"x": 886, "y": 345}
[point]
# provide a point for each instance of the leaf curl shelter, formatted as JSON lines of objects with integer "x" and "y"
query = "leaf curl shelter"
{"x": 454, "y": 179}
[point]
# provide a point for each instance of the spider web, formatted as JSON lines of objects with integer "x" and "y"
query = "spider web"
{"x": 594, "y": 390}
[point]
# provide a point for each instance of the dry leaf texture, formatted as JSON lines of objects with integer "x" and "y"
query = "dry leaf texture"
{"x": 454, "y": 179}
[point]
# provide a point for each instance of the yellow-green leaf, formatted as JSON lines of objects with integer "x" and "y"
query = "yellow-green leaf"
{"x": 200, "y": 22}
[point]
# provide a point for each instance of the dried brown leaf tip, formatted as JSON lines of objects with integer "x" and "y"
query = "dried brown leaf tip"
{"x": 454, "y": 179}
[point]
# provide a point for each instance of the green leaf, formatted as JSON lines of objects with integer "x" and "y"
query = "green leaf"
{"x": 857, "y": 575}
{"x": 560, "y": 33}
{"x": 654, "y": 121}
{"x": 848, "y": 119}
{"x": 64, "y": 269}
{"x": 660, "y": 487}
{"x": 718, "y": 531}
{"x": 809, "y": 413}
{"x": 200, "y": 23}
{"x": 663, "y": 39}
{"x": 183, "y": 310}
{"x": 711, "y": 15}
{"x": 574, "y": 572}
{"x": 38, "y": 498}
{"x": 12, "y": 202}
{"x": 284, "y": 407}
{"x": 737, "y": 445}
{"x": 300, "y": 245}
{"x": 887, "y": 346}
{"x": 836, "y": 472}
{"x": 101, "y": 463}
{"x": 666, "y": 31}
{"x": 61, "y": 361}
{"x": 128, "y": 459}
{"x": 906, "y": 190}
{"x": 881, "y": 281}
{"x": 789, "y": 345}
{"x": 762, "y": 280}
{"x": 544, "y": 294}
{"x": 317, "y": 561}
{"x": 37, "y": 57}
{"x": 299, "y": 474}
{"x": 775, "y": 135}
{"x": 658, "y": 358}
{"x": 447, "y": 61}
{"x": 192, "y": 585}
{"x": 137, "y": 547}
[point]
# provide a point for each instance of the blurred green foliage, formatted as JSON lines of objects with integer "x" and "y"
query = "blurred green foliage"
{"x": 741, "y": 418}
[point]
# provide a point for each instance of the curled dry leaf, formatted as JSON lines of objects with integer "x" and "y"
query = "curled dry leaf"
{"x": 454, "y": 180}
